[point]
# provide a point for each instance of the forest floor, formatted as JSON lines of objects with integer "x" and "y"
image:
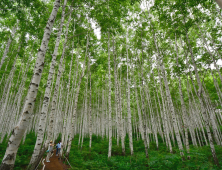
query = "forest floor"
{"x": 82, "y": 159}
{"x": 159, "y": 159}
{"x": 55, "y": 163}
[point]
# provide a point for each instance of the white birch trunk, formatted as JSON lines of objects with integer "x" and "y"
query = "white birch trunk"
{"x": 109, "y": 103}
{"x": 85, "y": 109}
{"x": 90, "y": 109}
{"x": 128, "y": 107}
{"x": 102, "y": 116}
{"x": 116, "y": 97}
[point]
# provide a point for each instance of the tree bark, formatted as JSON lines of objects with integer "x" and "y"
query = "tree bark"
{"x": 90, "y": 103}
{"x": 109, "y": 103}
{"x": 128, "y": 106}
{"x": 116, "y": 97}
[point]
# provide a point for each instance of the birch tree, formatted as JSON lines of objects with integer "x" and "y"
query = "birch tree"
{"x": 18, "y": 132}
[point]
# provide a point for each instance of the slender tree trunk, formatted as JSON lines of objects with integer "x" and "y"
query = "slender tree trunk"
{"x": 90, "y": 103}
{"x": 109, "y": 102}
{"x": 121, "y": 119}
{"x": 81, "y": 123}
{"x": 128, "y": 107}
{"x": 85, "y": 111}
{"x": 102, "y": 116}
{"x": 117, "y": 97}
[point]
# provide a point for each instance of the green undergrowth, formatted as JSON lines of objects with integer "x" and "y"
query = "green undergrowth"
{"x": 200, "y": 157}
{"x": 24, "y": 152}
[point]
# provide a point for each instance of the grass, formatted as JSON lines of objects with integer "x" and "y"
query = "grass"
{"x": 200, "y": 157}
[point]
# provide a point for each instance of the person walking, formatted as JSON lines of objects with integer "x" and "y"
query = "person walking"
{"x": 50, "y": 150}
{"x": 58, "y": 148}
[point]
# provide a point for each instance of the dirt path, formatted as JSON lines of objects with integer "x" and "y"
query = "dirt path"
{"x": 55, "y": 163}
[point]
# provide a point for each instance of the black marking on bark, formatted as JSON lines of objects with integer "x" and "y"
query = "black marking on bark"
{"x": 13, "y": 132}
{"x": 42, "y": 65}
{"x": 10, "y": 157}
{"x": 46, "y": 98}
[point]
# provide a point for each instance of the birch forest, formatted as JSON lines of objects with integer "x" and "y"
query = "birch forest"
{"x": 123, "y": 84}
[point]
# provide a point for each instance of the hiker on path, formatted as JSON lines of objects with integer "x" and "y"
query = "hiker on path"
{"x": 50, "y": 150}
{"x": 58, "y": 148}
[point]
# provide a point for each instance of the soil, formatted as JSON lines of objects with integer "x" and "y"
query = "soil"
{"x": 55, "y": 163}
